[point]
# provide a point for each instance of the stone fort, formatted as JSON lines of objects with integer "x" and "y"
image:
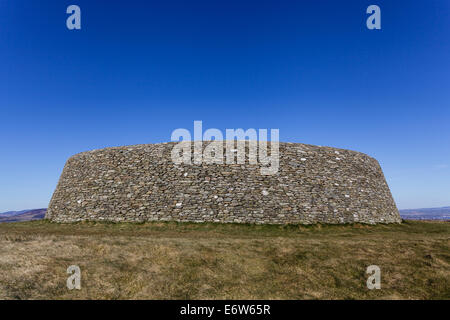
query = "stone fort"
{"x": 139, "y": 183}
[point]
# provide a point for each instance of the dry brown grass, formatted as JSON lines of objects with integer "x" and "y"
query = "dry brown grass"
{"x": 215, "y": 261}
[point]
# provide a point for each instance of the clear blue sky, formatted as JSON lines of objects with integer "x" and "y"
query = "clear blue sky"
{"x": 137, "y": 70}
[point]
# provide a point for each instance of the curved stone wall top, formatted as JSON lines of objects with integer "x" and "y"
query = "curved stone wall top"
{"x": 142, "y": 183}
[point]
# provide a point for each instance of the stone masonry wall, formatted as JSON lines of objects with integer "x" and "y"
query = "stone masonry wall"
{"x": 141, "y": 183}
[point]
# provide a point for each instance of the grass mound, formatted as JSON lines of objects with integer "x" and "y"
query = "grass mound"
{"x": 169, "y": 260}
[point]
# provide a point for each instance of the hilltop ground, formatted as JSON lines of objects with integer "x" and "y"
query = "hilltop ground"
{"x": 216, "y": 261}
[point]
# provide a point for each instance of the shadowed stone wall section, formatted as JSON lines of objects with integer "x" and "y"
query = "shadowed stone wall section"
{"x": 141, "y": 183}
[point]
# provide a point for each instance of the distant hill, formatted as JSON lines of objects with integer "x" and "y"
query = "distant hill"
{"x": 24, "y": 215}
{"x": 11, "y": 213}
{"x": 442, "y": 213}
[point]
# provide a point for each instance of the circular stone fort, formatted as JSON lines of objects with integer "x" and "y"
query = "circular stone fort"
{"x": 138, "y": 183}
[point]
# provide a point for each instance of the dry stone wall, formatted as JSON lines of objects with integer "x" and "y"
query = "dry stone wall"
{"x": 141, "y": 183}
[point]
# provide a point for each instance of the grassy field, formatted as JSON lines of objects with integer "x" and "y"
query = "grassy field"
{"x": 216, "y": 261}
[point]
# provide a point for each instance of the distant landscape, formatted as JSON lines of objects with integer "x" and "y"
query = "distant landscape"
{"x": 23, "y": 215}
{"x": 442, "y": 213}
